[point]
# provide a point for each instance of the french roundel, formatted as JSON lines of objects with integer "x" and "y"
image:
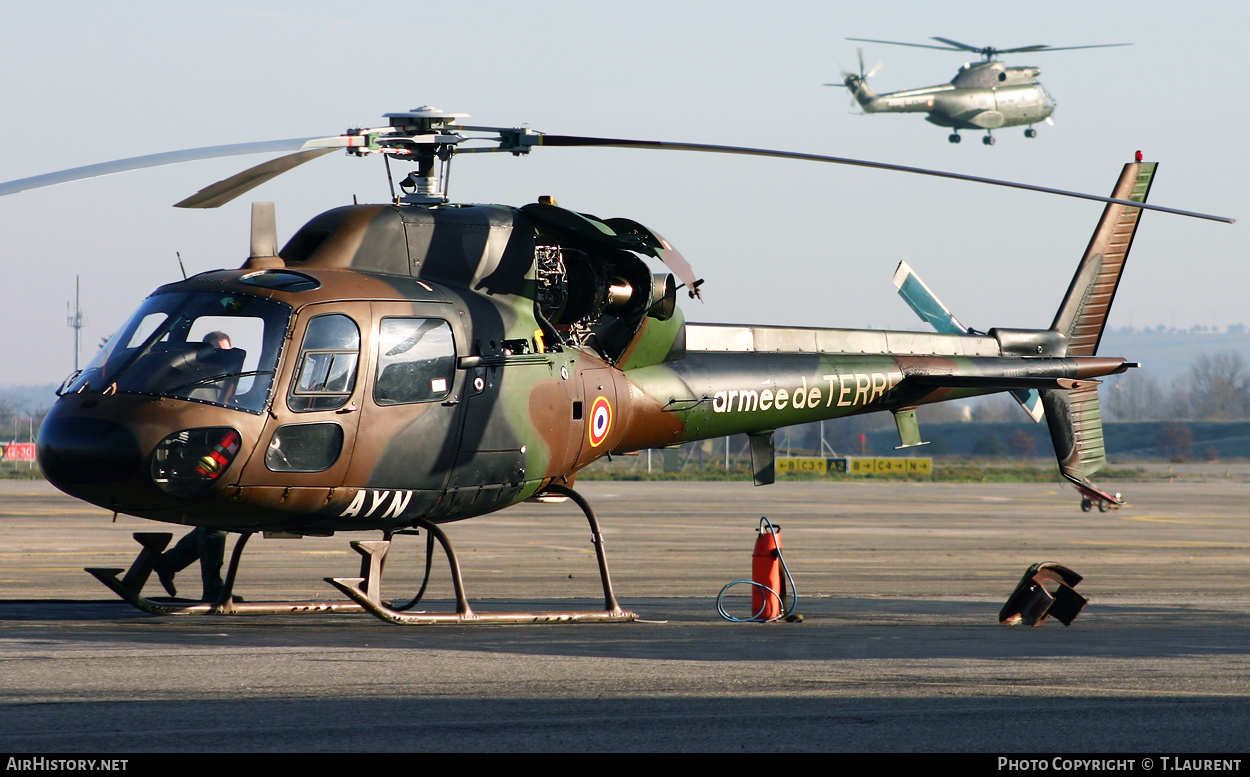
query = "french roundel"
{"x": 600, "y": 421}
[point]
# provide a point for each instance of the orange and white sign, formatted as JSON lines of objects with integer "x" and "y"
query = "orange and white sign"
{"x": 18, "y": 451}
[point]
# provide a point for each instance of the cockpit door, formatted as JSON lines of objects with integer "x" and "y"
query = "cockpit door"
{"x": 313, "y": 420}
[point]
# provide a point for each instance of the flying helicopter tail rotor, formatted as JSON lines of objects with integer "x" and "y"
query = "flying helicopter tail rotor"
{"x": 857, "y": 83}
{"x": 862, "y": 75}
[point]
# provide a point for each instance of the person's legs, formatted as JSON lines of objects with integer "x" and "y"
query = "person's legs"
{"x": 212, "y": 553}
{"x": 176, "y": 559}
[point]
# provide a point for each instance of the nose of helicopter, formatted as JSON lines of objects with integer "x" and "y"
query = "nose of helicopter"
{"x": 87, "y": 457}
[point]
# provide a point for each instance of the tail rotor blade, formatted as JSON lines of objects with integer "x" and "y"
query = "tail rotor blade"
{"x": 920, "y": 298}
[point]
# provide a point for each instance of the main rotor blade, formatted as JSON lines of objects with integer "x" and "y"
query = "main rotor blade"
{"x": 218, "y": 194}
{"x": 173, "y": 157}
{"x": 958, "y": 45}
{"x": 991, "y": 51}
{"x": 1064, "y": 48}
{"x": 914, "y": 45}
{"x": 574, "y": 140}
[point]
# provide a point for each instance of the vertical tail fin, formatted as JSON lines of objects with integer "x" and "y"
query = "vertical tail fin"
{"x": 1083, "y": 314}
{"x": 1074, "y": 416}
{"x": 1075, "y": 421}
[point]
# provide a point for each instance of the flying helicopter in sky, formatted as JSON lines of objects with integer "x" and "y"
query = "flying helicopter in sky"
{"x": 404, "y": 365}
{"x": 986, "y": 96}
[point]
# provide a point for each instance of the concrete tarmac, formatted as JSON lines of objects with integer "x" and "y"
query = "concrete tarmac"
{"x": 899, "y": 649}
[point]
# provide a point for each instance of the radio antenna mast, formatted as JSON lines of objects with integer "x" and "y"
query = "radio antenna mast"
{"x": 76, "y": 320}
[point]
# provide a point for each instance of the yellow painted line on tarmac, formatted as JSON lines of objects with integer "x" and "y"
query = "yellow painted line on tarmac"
{"x": 1158, "y": 519}
{"x": 1015, "y": 688}
{"x": 79, "y": 510}
{"x": 46, "y": 552}
{"x": 1181, "y": 544}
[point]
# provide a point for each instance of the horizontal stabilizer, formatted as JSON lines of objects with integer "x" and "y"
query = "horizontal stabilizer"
{"x": 998, "y": 382}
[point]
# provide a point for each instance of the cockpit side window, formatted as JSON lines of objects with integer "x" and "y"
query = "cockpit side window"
{"x": 327, "y": 365}
{"x": 416, "y": 360}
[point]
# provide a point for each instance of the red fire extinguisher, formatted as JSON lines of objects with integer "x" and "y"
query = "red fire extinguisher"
{"x": 768, "y": 592}
{"x": 769, "y": 579}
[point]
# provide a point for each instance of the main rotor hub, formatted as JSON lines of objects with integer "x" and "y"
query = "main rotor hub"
{"x": 426, "y": 134}
{"x": 424, "y": 119}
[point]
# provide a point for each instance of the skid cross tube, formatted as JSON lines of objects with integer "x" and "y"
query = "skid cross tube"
{"x": 360, "y": 588}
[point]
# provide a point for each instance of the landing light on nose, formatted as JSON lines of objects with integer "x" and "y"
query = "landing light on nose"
{"x": 188, "y": 461}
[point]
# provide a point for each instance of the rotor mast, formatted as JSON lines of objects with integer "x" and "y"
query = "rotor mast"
{"x": 424, "y": 135}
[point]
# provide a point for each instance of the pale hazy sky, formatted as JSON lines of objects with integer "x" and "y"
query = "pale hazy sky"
{"x": 778, "y": 242}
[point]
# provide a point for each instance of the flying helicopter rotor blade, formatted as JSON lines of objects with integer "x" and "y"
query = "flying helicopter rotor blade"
{"x": 875, "y": 69}
{"x": 964, "y": 46}
{"x": 575, "y": 141}
{"x": 1019, "y": 49}
{"x": 1064, "y": 48}
{"x": 990, "y": 51}
{"x": 176, "y": 157}
{"x": 900, "y": 43}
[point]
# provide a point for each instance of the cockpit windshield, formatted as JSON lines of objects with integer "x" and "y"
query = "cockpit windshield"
{"x": 204, "y": 346}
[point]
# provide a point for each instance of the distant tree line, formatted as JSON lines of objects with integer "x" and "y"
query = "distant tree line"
{"x": 1216, "y": 388}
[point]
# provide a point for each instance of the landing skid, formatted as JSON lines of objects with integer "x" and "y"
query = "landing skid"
{"x": 130, "y": 586}
{"x": 357, "y": 589}
{"x": 364, "y": 591}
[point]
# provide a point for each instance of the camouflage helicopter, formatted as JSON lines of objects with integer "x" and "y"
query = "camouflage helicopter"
{"x": 985, "y": 96}
{"x": 404, "y": 365}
